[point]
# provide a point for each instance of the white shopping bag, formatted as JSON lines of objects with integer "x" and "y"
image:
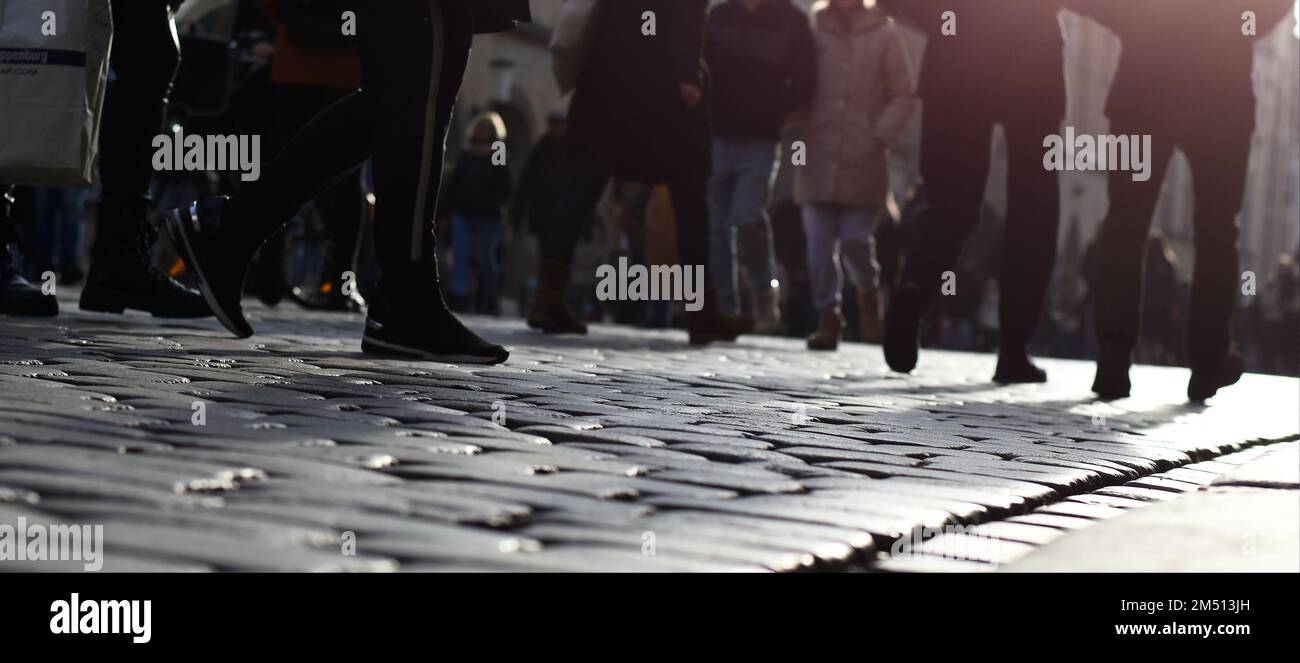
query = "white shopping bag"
{"x": 571, "y": 41}
{"x": 53, "y": 73}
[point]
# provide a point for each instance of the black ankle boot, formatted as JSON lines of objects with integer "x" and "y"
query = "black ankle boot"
{"x": 1206, "y": 382}
{"x": 1113, "y": 362}
{"x": 903, "y": 328}
{"x": 17, "y": 295}
{"x": 123, "y": 274}
{"x": 219, "y": 256}
{"x": 425, "y": 328}
{"x": 1015, "y": 367}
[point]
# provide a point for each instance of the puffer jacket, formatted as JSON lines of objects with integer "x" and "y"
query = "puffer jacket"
{"x": 864, "y": 98}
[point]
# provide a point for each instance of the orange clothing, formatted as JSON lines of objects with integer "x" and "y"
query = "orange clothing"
{"x": 299, "y": 65}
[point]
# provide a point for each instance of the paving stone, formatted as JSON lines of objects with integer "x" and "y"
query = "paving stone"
{"x": 606, "y": 438}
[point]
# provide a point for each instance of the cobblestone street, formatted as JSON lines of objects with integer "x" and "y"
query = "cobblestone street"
{"x": 622, "y": 451}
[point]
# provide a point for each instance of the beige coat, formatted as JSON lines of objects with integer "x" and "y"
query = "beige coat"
{"x": 864, "y": 98}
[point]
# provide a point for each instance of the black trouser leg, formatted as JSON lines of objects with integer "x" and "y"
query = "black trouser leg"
{"x": 584, "y": 184}
{"x": 144, "y": 61}
{"x": 954, "y": 165}
{"x": 1219, "y": 159}
{"x": 1029, "y": 240}
{"x": 1121, "y": 243}
{"x": 689, "y": 194}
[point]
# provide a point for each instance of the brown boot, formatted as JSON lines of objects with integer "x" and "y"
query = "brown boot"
{"x": 869, "y": 317}
{"x": 711, "y": 324}
{"x": 550, "y": 310}
{"x": 830, "y": 326}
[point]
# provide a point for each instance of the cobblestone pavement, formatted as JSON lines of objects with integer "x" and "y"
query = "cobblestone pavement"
{"x": 625, "y": 450}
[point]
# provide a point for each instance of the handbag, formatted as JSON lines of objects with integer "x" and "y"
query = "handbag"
{"x": 53, "y": 75}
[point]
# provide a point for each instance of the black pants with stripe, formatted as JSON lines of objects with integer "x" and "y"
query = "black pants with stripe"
{"x": 414, "y": 54}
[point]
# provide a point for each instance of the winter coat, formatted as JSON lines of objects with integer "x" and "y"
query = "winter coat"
{"x": 627, "y": 113}
{"x": 478, "y": 189}
{"x": 863, "y": 101}
{"x": 763, "y": 67}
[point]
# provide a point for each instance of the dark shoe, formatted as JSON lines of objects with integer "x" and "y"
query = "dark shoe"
{"x": 1113, "y": 363}
{"x": 1015, "y": 367}
{"x": 830, "y": 327}
{"x": 711, "y": 325}
{"x": 219, "y": 261}
{"x": 903, "y": 328}
{"x": 1204, "y": 384}
{"x": 18, "y": 296}
{"x": 870, "y": 329}
{"x": 123, "y": 274}
{"x": 432, "y": 333}
{"x": 550, "y": 310}
{"x": 330, "y": 297}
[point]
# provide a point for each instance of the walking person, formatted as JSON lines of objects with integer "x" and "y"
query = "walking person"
{"x": 477, "y": 193}
{"x": 413, "y": 60}
{"x": 1193, "y": 93}
{"x": 639, "y": 112}
{"x": 864, "y": 99}
{"x": 762, "y": 64}
{"x": 986, "y": 63}
{"x": 144, "y": 59}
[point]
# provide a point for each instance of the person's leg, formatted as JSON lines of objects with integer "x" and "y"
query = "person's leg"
{"x": 821, "y": 225}
{"x": 463, "y": 256}
{"x": 72, "y": 203}
{"x": 722, "y": 200}
{"x": 17, "y": 295}
{"x": 954, "y": 166}
{"x": 858, "y": 253}
{"x": 687, "y": 191}
{"x": 1118, "y": 261}
{"x": 1028, "y": 244}
{"x": 584, "y": 183}
{"x": 1219, "y": 159}
{"x": 486, "y": 238}
{"x": 39, "y": 236}
{"x": 122, "y": 271}
{"x": 753, "y": 232}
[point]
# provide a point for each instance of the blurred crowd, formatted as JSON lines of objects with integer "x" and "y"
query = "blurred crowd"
{"x": 783, "y": 229}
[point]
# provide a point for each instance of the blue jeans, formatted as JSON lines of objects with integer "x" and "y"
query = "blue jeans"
{"x": 56, "y": 240}
{"x": 835, "y": 233}
{"x": 474, "y": 244}
{"x": 738, "y": 194}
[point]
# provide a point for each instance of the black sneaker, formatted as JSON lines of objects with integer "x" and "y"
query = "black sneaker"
{"x": 1205, "y": 384}
{"x": 218, "y": 261}
{"x": 328, "y": 298}
{"x": 433, "y": 334}
{"x": 1015, "y": 367}
{"x": 903, "y": 328}
{"x": 123, "y": 274}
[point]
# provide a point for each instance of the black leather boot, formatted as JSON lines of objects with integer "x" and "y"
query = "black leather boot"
{"x": 17, "y": 295}
{"x": 123, "y": 274}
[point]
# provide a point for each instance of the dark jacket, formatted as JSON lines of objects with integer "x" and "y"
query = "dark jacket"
{"x": 763, "y": 67}
{"x": 499, "y": 15}
{"x": 627, "y": 112}
{"x": 1206, "y": 68}
{"x": 478, "y": 189}
{"x": 1003, "y": 51}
